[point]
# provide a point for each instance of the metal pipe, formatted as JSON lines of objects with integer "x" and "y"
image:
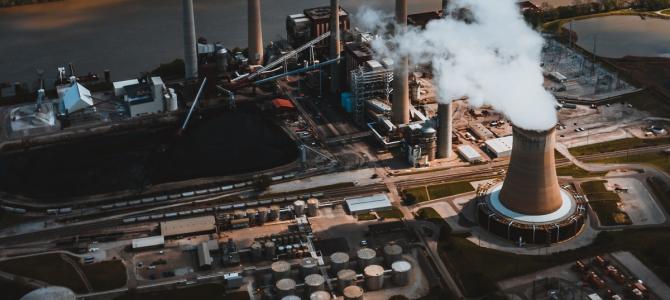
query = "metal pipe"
{"x": 401, "y": 80}
{"x": 190, "y": 51}
{"x": 255, "y": 32}
{"x": 444, "y": 130}
{"x": 195, "y": 103}
{"x": 335, "y": 49}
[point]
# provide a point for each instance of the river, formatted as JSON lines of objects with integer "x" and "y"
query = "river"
{"x": 131, "y": 36}
{"x": 619, "y": 36}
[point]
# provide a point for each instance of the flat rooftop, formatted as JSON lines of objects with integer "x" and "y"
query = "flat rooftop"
{"x": 186, "y": 226}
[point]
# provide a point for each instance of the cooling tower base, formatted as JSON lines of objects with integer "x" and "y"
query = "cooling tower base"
{"x": 559, "y": 225}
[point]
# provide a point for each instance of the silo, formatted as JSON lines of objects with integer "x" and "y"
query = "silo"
{"x": 313, "y": 283}
{"x": 401, "y": 271}
{"x": 320, "y": 295}
{"x": 274, "y": 212}
{"x": 270, "y": 252}
{"x": 309, "y": 265}
{"x": 366, "y": 257}
{"x": 291, "y": 297}
{"x": 299, "y": 207}
{"x": 374, "y": 277}
{"x": 285, "y": 287}
{"x": 345, "y": 278}
{"x": 256, "y": 251}
{"x": 353, "y": 292}
{"x": 312, "y": 207}
{"x": 280, "y": 269}
{"x": 51, "y": 293}
{"x": 262, "y": 215}
{"x": 392, "y": 253}
{"x": 338, "y": 261}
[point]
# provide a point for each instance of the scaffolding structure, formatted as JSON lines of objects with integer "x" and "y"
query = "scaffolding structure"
{"x": 368, "y": 85}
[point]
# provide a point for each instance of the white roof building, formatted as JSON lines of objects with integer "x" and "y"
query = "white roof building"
{"x": 119, "y": 86}
{"x": 500, "y": 147}
{"x": 77, "y": 97}
{"x": 148, "y": 242}
{"x": 369, "y": 203}
{"x": 469, "y": 153}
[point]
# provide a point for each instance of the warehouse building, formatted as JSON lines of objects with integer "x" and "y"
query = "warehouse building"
{"x": 377, "y": 202}
{"x": 205, "y": 259}
{"x": 469, "y": 154}
{"x": 500, "y": 147}
{"x": 146, "y": 243}
{"x": 191, "y": 226}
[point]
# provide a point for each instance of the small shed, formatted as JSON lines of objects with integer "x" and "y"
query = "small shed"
{"x": 469, "y": 153}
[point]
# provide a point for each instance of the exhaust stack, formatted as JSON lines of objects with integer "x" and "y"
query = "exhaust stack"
{"x": 401, "y": 103}
{"x": 531, "y": 185}
{"x": 190, "y": 55}
{"x": 335, "y": 45}
{"x": 255, "y": 32}
{"x": 444, "y": 131}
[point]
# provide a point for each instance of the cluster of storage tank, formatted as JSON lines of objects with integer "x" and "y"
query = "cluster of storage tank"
{"x": 311, "y": 207}
{"x": 251, "y": 216}
{"x": 344, "y": 274}
{"x": 290, "y": 245}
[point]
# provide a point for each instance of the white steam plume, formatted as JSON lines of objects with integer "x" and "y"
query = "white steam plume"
{"x": 493, "y": 60}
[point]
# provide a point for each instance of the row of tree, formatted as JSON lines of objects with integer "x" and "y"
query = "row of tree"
{"x": 581, "y": 8}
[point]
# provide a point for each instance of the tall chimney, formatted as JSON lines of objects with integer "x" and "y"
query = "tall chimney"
{"x": 531, "y": 185}
{"x": 255, "y": 32}
{"x": 401, "y": 78}
{"x": 190, "y": 55}
{"x": 335, "y": 44}
{"x": 444, "y": 130}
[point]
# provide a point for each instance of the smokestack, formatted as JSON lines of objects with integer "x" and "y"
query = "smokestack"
{"x": 531, "y": 185}
{"x": 445, "y": 3}
{"x": 190, "y": 55}
{"x": 335, "y": 44}
{"x": 401, "y": 78}
{"x": 444, "y": 130}
{"x": 255, "y": 32}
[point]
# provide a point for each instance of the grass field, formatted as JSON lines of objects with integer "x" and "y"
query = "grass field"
{"x": 479, "y": 268}
{"x": 393, "y": 213}
{"x": 617, "y": 145}
{"x": 429, "y": 214}
{"x": 106, "y": 275}
{"x": 577, "y": 172}
{"x": 605, "y": 203}
{"x": 449, "y": 189}
{"x": 416, "y": 195}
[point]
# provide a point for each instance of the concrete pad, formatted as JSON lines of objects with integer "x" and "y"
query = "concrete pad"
{"x": 638, "y": 202}
{"x": 358, "y": 177}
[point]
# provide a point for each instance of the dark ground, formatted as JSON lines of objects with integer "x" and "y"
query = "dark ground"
{"x": 219, "y": 144}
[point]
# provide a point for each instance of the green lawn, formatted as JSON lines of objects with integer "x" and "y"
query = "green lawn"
{"x": 604, "y": 203}
{"x": 577, "y": 172}
{"x": 429, "y": 214}
{"x": 449, "y": 189}
{"x": 393, "y": 213}
{"x": 617, "y": 145}
{"x": 415, "y": 195}
{"x": 479, "y": 268}
{"x": 365, "y": 217}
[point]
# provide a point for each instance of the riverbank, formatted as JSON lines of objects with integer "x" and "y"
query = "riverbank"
{"x": 9, "y": 3}
{"x": 556, "y": 26}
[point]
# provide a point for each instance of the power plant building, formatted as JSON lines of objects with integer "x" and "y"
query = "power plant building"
{"x": 469, "y": 154}
{"x": 148, "y": 97}
{"x": 500, "y": 147}
{"x": 367, "y": 204}
{"x": 76, "y": 98}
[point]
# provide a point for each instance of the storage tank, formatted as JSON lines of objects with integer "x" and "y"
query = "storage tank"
{"x": 171, "y": 101}
{"x": 320, "y": 295}
{"x": 256, "y": 251}
{"x": 392, "y": 253}
{"x": 262, "y": 215}
{"x": 353, "y": 292}
{"x": 270, "y": 250}
{"x": 313, "y": 283}
{"x": 345, "y": 278}
{"x": 51, "y": 293}
{"x": 366, "y": 257}
{"x": 280, "y": 269}
{"x": 274, "y": 212}
{"x": 312, "y": 207}
{"x": 239, "y": 214}
{"x": 291, "y": 297}
{"x": 285, "y": 287}
{"x": 251, "y": 214}
{"x": 299, "y": 207}
{"x": 401, "y": 271}
{"x": 374, "y": 277}
{"x": 309, "y": 265}
{"x": 338, "y": 261}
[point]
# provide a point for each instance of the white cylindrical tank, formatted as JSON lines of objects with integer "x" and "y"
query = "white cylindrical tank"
{"x": 262, "y": 215}
{"x": 345, "y": 278}
{"x": 291, "y": 297}
{"x": 172, "y": 104}
{"x": 270, "y": 250}
{"x": 366, "y": 257}
{"x": 256, "y": 251}
{"x": 312, "y": 207}
{"x": 320, "y": 295}
{"x": 338, "y": 261}
{"x": 280, "y": 269}
{"x": 51, "y": 293}
{"x": 374, "y": 277}
{"x": 401, "y": 271}
{"x": 274, "y": 212}
{"x": 299, "y": 207}
{"x": 308, "y": 266}
{"x": 392, "y": 253}
{"x": 285, "y": 287}
{"x": 353, "y": 292}
{"x": 314, "y": 282}
{"x": 251, "y": 213}
{"x": 239, "y": 214}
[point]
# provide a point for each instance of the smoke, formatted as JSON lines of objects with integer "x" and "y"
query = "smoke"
{"x": 493, "y": 58}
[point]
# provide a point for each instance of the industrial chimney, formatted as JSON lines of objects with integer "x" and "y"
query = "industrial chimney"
{"x": 401, "y": 103}
{"x": 190, "y": 55}
{"x": 255, "y": 32}
{"x": 531, "y": 185}
{"x": 444, "y": 130}
{"x": 335, "y": 44}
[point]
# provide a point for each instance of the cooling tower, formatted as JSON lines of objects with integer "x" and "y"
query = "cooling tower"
{"x": 255, "y": 32}
{"x": 190, "y": 52}
{"x": 445, "y": 119}
{"x": 335, "y": 44}
{"x": 401, "y": 103}
{"x": 531, "y": 185}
